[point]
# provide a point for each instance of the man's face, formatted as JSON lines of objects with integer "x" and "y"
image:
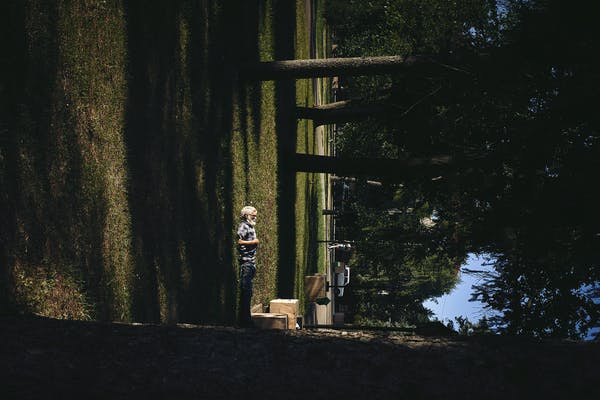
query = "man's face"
{"x": 252, "y": 218}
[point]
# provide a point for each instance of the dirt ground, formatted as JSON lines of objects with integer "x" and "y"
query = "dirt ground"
{"x": 47, "y": 359}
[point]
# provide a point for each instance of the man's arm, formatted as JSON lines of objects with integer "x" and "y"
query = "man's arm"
{"x": 248, "y": 242}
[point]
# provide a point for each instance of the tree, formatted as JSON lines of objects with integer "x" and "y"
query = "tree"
{"x": 314, "y": 68}
{"x": 391, "y": 169}
{"x": 533, "y": 128}
{"x": 341, "y": 111}
{"x": 413, "y": 262}
{"x": 400, "y": 260}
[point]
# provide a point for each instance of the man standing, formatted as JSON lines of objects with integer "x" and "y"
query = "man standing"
{"x": 247, "y": 245}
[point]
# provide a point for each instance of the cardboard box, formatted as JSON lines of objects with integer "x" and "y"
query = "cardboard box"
{"x": 270, "y": 321}
{"x": 288, "y": 307}
{"x": 257, "y": 308}
{"x": 314, "y": 287}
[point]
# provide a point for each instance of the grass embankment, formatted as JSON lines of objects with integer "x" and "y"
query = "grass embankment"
{"x": 310, "y": 187}
{"x": 307, "y": 185}
{"x": 117, "y": 161}
{"x": 67, "y": 225}
{"x": 129, "y": 149}
{"x": 255, "y": 181}
{"x": 254, "y": 155}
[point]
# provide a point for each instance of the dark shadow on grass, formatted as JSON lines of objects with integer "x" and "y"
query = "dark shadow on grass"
{"x": 250, "y": 92}
{"x": 179, "y": 173}
{"x": 51, "y": 226}
{"x": 312, "y": 213}
{"x": 311, "y": 205}
{"x": 12, "y": 72}
{"x": 150, "y": 39}
{"x": 180, "y": 178}
{"x": 218, "y": 68}
{"x": 285, "y": 100}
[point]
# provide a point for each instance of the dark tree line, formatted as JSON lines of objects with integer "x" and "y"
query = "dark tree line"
{"x": 522, "y": 120}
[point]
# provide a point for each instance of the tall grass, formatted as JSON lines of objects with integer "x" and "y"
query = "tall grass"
{"x": 128, "y": 147}
{"x": 310, "y": 254}
{"x": 68, "y": 219}
{"x": 254, "y": 155}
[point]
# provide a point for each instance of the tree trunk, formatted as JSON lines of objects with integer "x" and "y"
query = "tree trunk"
{"x": 341, "y": 111}
{"x": 389, "y": 169}
{"x": 314, "y": 68}
{"x": 351, "y": 179}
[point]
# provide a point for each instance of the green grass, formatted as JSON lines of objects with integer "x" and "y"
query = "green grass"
{"x": 304, "y": 144}
{"x": 254, "y": 150}
{"x": 254, "y": 182}
{"x": 254, "y": 155}
{"x": 72, "y": 218}
{"x": 310, "y": 255}
{"x": 132, "y": 149}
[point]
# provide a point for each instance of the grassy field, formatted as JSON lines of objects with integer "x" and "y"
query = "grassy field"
{"x": 259, "y": 187}
{"x": 255, "y": 162}
{"x": 128, "y": 147}
{"x": 307, "y": 187}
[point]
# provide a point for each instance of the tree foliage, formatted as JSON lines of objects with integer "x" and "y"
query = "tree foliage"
{"x": 403, "y": 258}
{"x": 520, "y": 119}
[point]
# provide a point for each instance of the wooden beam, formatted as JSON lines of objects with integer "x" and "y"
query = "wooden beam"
{"x": 352, "y": 179}
{"x": 389, "y": 169}
{"x": 341, "y": 111}
{"x": 315, "y": 68}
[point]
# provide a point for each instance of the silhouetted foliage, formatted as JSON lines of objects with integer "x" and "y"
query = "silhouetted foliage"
{"x": 523, "y": 124}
